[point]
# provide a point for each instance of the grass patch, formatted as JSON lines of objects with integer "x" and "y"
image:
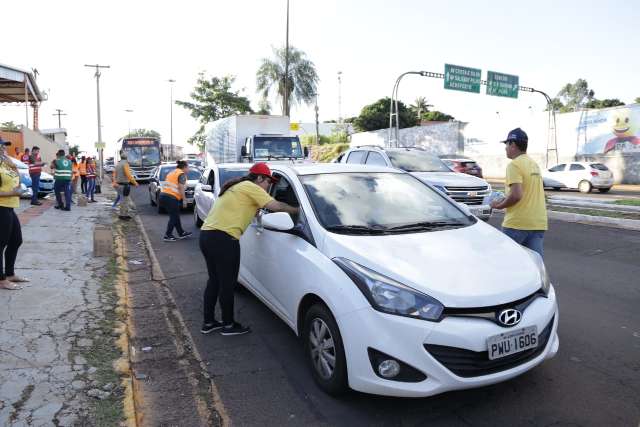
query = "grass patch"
{"x": 627, "y": 202}
{"x": 596, "y": 212}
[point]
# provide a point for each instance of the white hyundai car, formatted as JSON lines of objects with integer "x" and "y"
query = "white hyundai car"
{"x": 394, "y": 288}
{"x": 583, "y": 176}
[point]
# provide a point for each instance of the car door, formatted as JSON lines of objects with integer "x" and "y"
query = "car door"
{"x": 575, "y": 174}
{"x": 554, "y": 177}
{"x": 278, "y": 261}
{"x": 356, "y": 157}
{"x": 202, "y": 198}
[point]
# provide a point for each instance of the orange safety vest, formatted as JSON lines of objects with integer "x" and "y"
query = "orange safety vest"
{"x": 171, "y": 183}
{"x": 82, "y": 167}
{"x": 76, "y": 170}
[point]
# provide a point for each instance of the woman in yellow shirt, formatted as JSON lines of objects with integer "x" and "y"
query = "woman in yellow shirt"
{"x": 237, "y": 204}
{"x": 10, "y": 231}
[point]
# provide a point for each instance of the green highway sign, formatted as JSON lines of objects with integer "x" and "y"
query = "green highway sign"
{"x": 462, "y": 78}
{"x": 499, "y": 84}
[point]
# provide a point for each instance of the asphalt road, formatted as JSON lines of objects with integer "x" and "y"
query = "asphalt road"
{"x": 594, "y": 380}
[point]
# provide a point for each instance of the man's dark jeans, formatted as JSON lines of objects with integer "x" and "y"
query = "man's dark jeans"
{"x": 60, "y": 187}
{"x": 35, "y": 186}
{"x": 172, "y": 206}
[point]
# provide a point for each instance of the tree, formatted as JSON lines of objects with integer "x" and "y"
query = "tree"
{"x": 637, "y": 100}
{"x": 556, "y": 104}
{"x": 213, "y": 99}
{"x": 302, "y": 79}
{"x": 604, "y": 103}
{"x": 436, "y": 116}
{"x": 376, "y": 116}
{"x": 420, "y": 105}
{"x": 264, "y": 107}
{"x": 9, "y": 127}
{"x": 147, "y": 133}
{"x": 575, "y": 95}
{"x": 74, "y": 150}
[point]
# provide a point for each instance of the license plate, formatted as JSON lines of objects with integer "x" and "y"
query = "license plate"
{"x": 509, "y": 343}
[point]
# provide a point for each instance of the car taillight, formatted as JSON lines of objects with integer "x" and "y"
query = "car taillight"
{"x": 594, "y": 173}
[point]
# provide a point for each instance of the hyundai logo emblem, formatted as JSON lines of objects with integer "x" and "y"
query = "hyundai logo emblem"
{"x": 509, "y": 317}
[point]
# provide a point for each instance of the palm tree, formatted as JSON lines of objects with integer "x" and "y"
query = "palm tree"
{"x": 302, "y": 80}
{"x": 420, "y": 105}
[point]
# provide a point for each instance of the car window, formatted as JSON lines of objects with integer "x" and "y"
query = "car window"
{"x": 599, "y": 166}
{"x": 356, "y": 157}
{"x": 558, "y": 168}
{"x": 164, "y": 172}
{"x": 576, "y": 167}
{"x": 227, "y": 174}
{"x": 416, "y": 161}
{"x": 193, "y": 174}
{"x": 204, "y": 179}
{"x": 283, "y": 192}
{"x": 375, "y": 159}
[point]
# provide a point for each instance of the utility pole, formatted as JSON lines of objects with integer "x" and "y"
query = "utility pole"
{"x": 285, "y": 98}
{"x": 59, "y": 113}
{"x": 340, "y": 97}
{"x": 317, "y": 123}
{"x": 171, "y": 82}
{"x": 100, "y": 150}
{"x": 129, "y": 120}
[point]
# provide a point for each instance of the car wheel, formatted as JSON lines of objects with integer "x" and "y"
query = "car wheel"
{"x": 196, "y": 217}
{"x": 325, "y": 351}
{"x": 604, "y": 190}
{"x": 153, "y": 202}
{"x": 584, "y": 186}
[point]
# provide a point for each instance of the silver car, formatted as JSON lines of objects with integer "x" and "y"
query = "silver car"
{"x": 207, "y": 190}
{"x": 159, "y": 176}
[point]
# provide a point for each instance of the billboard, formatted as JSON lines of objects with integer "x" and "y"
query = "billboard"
{"x": 609, "y": 131}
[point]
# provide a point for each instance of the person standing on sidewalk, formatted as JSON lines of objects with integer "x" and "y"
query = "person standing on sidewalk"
{"x": 91, "y": 180}
{"x": 123, "y": 179}
{"x": 172, "y": 198}
{"x": 82, "y": 169}
{"x": 75, "y": 176}
{"x": 62, "y": 172}
{"x": 24, "y": 157}
{"x": 526, "y": 218}
{"x": 230, "y": 216}
{"x": 10, "y": 231}
{"x": 35, "y": 169}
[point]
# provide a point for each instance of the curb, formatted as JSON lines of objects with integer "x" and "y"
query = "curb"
{"x": 627, "y": 224}
{"x": 588, "y": 204}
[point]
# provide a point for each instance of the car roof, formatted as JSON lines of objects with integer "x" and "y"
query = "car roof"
{"x": 323, "y": 168}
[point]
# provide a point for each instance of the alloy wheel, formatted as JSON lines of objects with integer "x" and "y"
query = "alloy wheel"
{"x": 323, "y": 351}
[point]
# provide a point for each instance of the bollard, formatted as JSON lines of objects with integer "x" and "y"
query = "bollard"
{"x": 102, "y": 241}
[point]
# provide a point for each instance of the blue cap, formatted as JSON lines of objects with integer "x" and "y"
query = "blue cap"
{"x": 3, "y": 142}
{"x": 516, "y": 135}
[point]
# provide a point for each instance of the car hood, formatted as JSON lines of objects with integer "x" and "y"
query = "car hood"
{"x": 475, "y": 266}
{"x": 450, "y": 179}
{"x": 44, "y": 175}
{"x": 192, "y": 183}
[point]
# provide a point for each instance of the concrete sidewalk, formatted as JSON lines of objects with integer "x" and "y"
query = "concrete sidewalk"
{"x": 57, "y": 340}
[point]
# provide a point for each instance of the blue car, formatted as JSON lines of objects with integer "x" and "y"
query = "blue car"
{"x": 25, "y": 178}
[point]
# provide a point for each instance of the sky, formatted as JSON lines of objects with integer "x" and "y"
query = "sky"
{"x": 546, "y": 43}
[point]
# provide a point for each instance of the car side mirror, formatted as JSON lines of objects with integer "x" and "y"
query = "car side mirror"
{"x": 243, "y": 151}
{"x": 278, "y": 221}
{"x": 464, "y": 209}
{"x": 207, "y": 188}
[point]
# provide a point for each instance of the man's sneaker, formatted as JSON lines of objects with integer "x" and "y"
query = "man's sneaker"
{"x": 57, "y": 207}
{"x": 124, "y": 217}
{"x": 36, "y": 203}
{"x": 210, "y": 327}
{"x": 184, "y": 235}
{"x": 169, "y": 239}
{"x": 66, "y": 209}
{"x": 234, "y": 329}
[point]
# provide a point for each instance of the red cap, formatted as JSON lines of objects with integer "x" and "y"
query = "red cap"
{"x": 262, "y": 169}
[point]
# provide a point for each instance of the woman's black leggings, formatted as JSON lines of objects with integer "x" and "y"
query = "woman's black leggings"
{"x": 222, "y": 254}
{"x": 10, "y": 241}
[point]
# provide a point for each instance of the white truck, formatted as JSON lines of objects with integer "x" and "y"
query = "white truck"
{"x": 252, "y": 138}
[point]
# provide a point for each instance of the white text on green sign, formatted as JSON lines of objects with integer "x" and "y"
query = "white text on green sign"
{"x": 499, "y": 84}
{"x": 462, "y": 78}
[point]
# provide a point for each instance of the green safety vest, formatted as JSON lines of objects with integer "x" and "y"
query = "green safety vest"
{"x": 64, "y": 170}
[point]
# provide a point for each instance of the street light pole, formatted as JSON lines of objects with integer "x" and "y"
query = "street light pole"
{"x": 100, "y": 150}
{"x": 285, "y": 98}
{"x": 59, "y": 113}
{"x": 339, "y": 96}
{"x": 129, "y": 120}
{"x": 171, "y": 82}
{"x": 317, "y": 123}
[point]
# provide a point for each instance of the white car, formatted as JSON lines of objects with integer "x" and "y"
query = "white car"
{"x": 158, "y": 177}
{"x": 212, "y": 180}
{"x": 583, "y": 176}
{"x": 394, "y": 288}
{"x": 461, "y": 187}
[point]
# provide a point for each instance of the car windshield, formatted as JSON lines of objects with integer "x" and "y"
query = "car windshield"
{"x": 227, "y": 174}
{"x": 379, "y": 202}
{"x": 277, "y": 147}
{"x": 599, "y": 166}
{"x": 142, "y": 156}
{"x": 191, "y": 175}
{"x": 416, "y": 161}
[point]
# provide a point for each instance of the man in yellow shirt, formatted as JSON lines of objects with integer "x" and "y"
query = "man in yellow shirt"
{"x": 239, "y": 201}
{"x": 526, "y": 218}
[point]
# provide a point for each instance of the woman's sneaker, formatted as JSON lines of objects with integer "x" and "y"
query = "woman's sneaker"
{"x": 184, "y": 235}
{"x": 234, "y": 329}
{"x": 211, "y": 326}
{"x": 169, "y": 239}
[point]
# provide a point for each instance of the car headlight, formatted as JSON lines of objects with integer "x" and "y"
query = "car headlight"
{"x": 545, "y": 283}
{"x": 387, "y": 295}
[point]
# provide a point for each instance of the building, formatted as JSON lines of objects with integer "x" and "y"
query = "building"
{"x": 178, "y": 152}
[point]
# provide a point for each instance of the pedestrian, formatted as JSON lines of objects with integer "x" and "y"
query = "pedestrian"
{"x": 35, "y": 169}
{"x": 24, "y": 157}
{"x": 10, "y": 231}
{"x": 230, "y": 216}
{"x": 62, "y": 172}
{"x": 172, "y": 198}
{"x": 114, "y": 184}
{"x": 525, "y": 220}
{"x": 82, "y": 169}
{"x": 123, "y": 180}
{"x": 75, "y": 176}
{"x": 91, "y": 180}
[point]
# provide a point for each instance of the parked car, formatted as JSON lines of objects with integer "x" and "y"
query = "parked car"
{"x": 583, "y": 176}
{"x": 195, "y": 163}
{"x": 25, "y": 178}
{"x": 46, "y": 184}
{"x": 158, "y": 177}
{"x": 207, "y": 190}
{"x": 463, "y": 188}
{"x": 463, "y": 165}
{"x": 394, "y": 288}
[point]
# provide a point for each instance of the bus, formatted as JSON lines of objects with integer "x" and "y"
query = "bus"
{"x": 143, "y": 154}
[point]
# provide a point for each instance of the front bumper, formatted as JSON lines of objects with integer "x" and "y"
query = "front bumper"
{"x": 45, "y": 187}
{"x": 405, "y": 339}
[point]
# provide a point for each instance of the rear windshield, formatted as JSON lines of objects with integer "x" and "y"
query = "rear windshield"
{"x": 469, "y": 164}
{"x": 599, "y": 166}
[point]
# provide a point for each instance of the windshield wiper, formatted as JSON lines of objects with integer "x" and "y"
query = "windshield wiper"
{"x": 427, "y": 225}
{"x": 357, "y": 229}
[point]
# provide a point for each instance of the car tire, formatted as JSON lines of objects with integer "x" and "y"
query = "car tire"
{"x": 196, "y": 217}
{"x": 604, "y": 190}
{"x": 153, "y": 202}
{"x": 321, "y": 329}
{"x": 584, "y": 186}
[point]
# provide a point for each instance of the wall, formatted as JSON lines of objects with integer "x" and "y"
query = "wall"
{"x": 444, "y": 138}
{"x": 48, "y": 148}
{"x": 16, "y": 141}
